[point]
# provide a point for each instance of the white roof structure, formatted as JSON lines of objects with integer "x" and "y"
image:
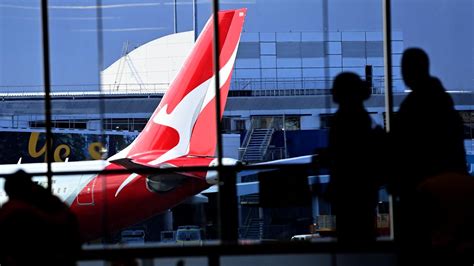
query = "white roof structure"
{"x": 150, "y": 67}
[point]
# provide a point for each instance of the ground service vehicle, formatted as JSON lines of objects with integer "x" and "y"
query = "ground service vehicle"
{"x": 189, "y": 234}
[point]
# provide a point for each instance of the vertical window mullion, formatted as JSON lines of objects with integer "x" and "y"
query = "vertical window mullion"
{"x": 47, "y": 90}
{"x": 387, "y": 41}
{"x": 227, "y": 193}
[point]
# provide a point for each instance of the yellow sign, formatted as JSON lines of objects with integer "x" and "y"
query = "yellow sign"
{"x": 62, "y": 151}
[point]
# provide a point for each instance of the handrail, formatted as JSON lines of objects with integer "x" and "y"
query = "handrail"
{"x": 246, "y": 141}
{"x": 248, "y": 220}
{"x": 246, "y": 84}
{"x": 268, "y": 139}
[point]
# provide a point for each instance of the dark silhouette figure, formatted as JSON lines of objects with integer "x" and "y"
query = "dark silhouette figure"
{"x": 353, "y": 139}
{"x": 428, "y": 130}
{"x": 427, "y": 141}
{"x": 36, "y": 228}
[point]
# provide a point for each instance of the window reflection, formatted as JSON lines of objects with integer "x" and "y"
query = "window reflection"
{"x": 271, "y": 62}
{"x": 279, "y": 106}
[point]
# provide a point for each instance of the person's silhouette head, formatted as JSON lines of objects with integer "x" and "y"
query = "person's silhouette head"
{"x": 18, "y": 185}
{"x": 349, "y": 89}
{"x": 415, "y": 67}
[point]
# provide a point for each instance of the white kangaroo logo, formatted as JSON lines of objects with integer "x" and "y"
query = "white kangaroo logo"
{"x": 184, "y": 116}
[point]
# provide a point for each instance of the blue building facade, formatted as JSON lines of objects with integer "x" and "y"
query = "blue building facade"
{"x": 311, "y": 60}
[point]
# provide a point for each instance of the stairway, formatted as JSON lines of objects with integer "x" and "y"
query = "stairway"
{"x": 257, "y": 145}
{"x": 254, "y": 230}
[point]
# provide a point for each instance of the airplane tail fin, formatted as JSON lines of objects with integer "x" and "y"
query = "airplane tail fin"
{"x": 184, "y": 123}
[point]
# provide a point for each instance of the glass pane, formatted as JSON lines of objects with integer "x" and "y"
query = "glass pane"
{"x": 120, "y": 79}
{"x": 21, "y": 83}
{"x": 289, "y": 111}
{"x": 111, "y": 65}
{"x": 432, "y": 53}
{"x": 141, "y": 68}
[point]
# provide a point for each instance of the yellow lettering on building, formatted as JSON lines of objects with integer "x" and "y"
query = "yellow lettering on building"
{"x": 62, "y": 151}
{"x": 32, "y": 144}
{"x": 58, "y": 156}
{"x": 95, "y": 150}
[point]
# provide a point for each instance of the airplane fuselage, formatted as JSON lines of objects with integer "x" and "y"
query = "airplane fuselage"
{"x": 94, "y": 198}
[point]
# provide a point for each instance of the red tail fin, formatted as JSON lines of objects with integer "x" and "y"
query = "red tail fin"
{"x": 184, "y": 122}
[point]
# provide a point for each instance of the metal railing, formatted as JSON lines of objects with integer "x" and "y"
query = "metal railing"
{"x": 84, "y": 89}
{"x": 259, "y": 87}
{"x": 279, "y": 83}
{"x": 243, "y": 149}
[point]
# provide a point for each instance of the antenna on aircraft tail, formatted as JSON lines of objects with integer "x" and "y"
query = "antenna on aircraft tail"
{"x": 19, "y": 160}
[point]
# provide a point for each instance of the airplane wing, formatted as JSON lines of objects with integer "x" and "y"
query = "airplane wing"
{"x": 242, "y": 188}
{"x": 252, "y": 187}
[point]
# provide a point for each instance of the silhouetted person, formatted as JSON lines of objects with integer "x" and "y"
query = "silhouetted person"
{"x": 36, "y": 228}
{"x": 353, "y": 139}
{"x": 427, "y": 141}
{"x": 428, "y": 130}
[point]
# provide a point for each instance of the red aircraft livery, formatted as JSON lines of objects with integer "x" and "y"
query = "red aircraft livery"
{"x": 181, "y": 132}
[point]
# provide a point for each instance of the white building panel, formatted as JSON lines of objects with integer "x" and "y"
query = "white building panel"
{"x": 148, "y": 65}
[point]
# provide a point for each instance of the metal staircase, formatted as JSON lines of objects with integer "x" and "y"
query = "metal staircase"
{"x": 254, "y": 229}
{"x": 256, "y": 144}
